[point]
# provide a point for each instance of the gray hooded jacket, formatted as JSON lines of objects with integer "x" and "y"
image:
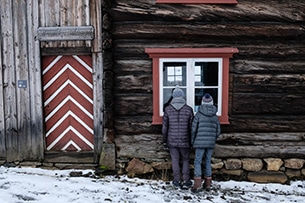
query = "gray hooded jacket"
{"x": 205, "y": 127}
{"x": 177, "y": 123}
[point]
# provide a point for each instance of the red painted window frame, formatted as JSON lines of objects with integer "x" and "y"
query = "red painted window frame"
{"x": 196, "y": 1}
{"x": 224, "y": 53}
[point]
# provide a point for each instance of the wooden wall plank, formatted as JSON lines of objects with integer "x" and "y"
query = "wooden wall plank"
{"x": 96, "y": 17}
{"x": 264, "y": 123}
{"x": 256, "y": 65}
{"x": 224, "y": 31}
{"x": 9, "y": 82}
{"x": 247, "y": 11}
{"x": 268, "y": 103}
{"x": 149, "y": 150}
{"x": 21, "y": 64}
{"x": 34, "y": 64}
{"x": 266, "y": 83}
{"x": 263, "y": 151}
{"x": 98, "y": 103}
{"x": 2, "y": 121}
{"x": 62, "y": 13}
{"x": 70, "y": 33}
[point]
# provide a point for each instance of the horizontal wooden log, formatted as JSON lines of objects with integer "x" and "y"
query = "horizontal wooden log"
{"x": 69, "y": 157}
{"x": 282, "y": 137}
{"x": 289, "y": 66}
{"x": 262, "y": 139}
{"x": 136, "y": 125}
{"x": 252, "y": 53}
{"x": 289, "y": 84}
{"x": 147, "y": 147}
{"x": 238, "y": 123}
{"x": 225, "y": 151}
{"x": 133, "y": 105}
{"x": 66, "y": 51}
{"x": 268, "y": 103}
{"x": 264, "y": 123}
{"x": 259, "y": 10}
{"x": 208, "y": 31}
{"x": 132, "y": 83}
{"x": 123, "y": 67}
{"x": 65, "y": 33}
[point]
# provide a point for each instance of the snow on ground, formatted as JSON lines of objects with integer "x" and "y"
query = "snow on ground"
{"x": 19, "y": 185}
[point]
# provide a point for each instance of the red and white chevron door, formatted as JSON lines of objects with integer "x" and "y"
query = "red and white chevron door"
{"x": 68, "y": 102}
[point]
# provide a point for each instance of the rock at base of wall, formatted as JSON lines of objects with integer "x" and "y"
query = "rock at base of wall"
{"x": 267, "y": 177}
{"x": 107, "y": 158}
{"x": 252, "y": 164}
{"x": 273, "y": 164}
{"x": 135, "y": 166}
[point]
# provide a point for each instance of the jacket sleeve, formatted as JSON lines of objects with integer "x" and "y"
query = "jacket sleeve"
{"x": 165, "y": 127}
{"x": 218, "y": 130}
{"x": 194, "y": 129}
{"x": 190, "y": 126}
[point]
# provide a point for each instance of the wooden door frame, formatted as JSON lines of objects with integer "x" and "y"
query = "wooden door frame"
{"x": 84, "y": 157}
{"x": 97, "y": 64}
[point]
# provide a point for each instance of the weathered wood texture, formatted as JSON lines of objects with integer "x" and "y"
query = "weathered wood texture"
{"x": 267, "y": 76}
{"x": 128, "y": 147}
{"x": 21, "y": 120}
{"x": 263, "y": 145}
{"x": 21, "y": 109}
{"x": 69, "y": 157}
{"x": 62, "y": 13}
{"x": 74, "y": 33}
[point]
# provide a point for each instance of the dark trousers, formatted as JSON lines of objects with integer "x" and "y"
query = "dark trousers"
{"x": 184, "y": 154}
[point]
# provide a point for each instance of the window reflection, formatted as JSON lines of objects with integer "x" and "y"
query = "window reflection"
{"x": 174, "y": 74}
{"x": 206, "y": 73}
{"x": 199, "y": 92}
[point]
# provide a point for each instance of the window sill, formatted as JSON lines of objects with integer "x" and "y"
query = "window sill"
{"x": 196, "y": 1}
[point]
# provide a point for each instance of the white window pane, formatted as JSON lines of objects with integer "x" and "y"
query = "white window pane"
{"x": 179, "y": 78}
{"x": 178, "y": 70}
{"x": 197, "y": 78}
{"x": 197, "y": 70}
{"x": 174, "y": 73}
{"x": 171, "y": 79}
{"x": 171, "y": 70}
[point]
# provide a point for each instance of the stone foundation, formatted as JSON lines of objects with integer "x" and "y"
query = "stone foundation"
{"x": 268, "y": 170}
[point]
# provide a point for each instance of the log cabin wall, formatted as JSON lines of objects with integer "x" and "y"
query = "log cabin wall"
{"x": 25, "y": 37}
{"x": 266, "y": 91}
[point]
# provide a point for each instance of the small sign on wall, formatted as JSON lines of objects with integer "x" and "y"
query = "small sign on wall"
{"x": 22, "y": 84}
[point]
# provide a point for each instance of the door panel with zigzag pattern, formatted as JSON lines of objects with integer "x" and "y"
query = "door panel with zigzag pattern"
{"x": 68, "y": 102}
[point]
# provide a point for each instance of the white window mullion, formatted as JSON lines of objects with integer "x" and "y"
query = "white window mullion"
{"x": 161, "y": 87}
{"x": 190, "y": 82}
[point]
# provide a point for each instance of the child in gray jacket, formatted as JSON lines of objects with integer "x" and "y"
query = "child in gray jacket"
{"x": 205, "y": 131}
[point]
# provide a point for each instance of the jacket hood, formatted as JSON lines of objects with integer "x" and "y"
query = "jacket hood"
{"x": 207, "y": 110}
{"x": 178, "y": 102}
